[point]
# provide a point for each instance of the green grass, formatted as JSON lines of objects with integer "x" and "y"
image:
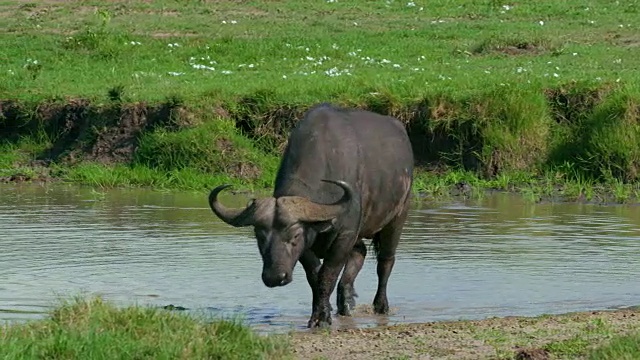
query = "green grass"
{"x": 619, "y": 347}
{"x": 539, "y": 97}
{"x": 84, "y": 49}
{"x": 94, "y": 329}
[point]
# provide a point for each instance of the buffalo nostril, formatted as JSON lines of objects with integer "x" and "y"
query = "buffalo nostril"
{"x": 283, "y": 278}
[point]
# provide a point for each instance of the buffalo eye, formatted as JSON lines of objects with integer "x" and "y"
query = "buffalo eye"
{"x": 297, "y": 238}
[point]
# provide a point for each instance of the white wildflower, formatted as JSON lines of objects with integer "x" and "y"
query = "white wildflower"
{"x": 173, "y": 73}
{"x": 411, "y": 4}
{"x": 334, "y": 71}
{"x": 226, "y": 72}
{"x": 201, "y": 66}
{"x": 541, "y": 22}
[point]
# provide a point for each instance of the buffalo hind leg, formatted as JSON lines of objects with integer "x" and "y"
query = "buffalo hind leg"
{"x": 385, "y": 243}
{"x": 333, "y": 263}
{"x": 346, "y": 291}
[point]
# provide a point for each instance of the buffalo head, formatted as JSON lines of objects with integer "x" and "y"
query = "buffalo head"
{"x": 283, "y": 227}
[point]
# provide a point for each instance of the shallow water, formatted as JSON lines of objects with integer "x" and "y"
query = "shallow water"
{"x": 457, "y": 260}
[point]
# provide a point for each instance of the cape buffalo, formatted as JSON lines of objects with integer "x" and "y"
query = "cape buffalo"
{"x": 345, "y": 175}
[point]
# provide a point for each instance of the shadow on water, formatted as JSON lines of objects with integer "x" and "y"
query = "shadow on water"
{"x": 458, "y": 260}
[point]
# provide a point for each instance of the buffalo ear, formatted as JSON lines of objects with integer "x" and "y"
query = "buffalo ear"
{"x": 323, "y": 226}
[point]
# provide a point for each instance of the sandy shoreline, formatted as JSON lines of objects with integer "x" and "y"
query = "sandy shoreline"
{"x": 542, "y": 337}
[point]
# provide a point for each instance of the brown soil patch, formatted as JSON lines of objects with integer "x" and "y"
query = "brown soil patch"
{"x": 111, "y": 139}
{"x": 162, "y": 35}
{"x": 511, "y": 47}
{"x": 118, "y": 143}
{"x": 532, "y": 354}
{"x": 515, "y": 50}
{"x": 84, "y": 131}
{"x": 570, "y": 103}
{"x": 507, "y": 338}
{"x": 632, "y": 41}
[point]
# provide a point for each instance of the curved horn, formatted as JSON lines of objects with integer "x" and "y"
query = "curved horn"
{"x": 233, "y": 217}
{"x": 348, "y": 194}
{"x": 306, "y": 210}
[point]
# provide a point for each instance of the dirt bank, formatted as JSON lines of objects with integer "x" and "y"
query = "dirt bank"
{"x": 574, "y": 137}
{"x": 79, "y": 129}
{"x": 544, "y": 337}
{"x": 488, "y": 134}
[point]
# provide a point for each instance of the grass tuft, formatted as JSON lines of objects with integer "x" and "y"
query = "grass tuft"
{"x": 93, "y": 328}
{"x": 618, "y": 347}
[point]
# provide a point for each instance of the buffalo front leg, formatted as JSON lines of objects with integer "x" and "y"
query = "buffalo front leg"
{"x": 327, "y": 279}
{"x": 385, "y": 244}
{"x": 311, "y": 264}
{"x": 346, "y": 290}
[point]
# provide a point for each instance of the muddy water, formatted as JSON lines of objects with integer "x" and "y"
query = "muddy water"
{"x": 457, "y": 260}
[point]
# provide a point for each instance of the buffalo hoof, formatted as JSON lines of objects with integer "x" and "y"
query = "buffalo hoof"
{"x": 381, "y": 306}
{"x": 317, "y": 323}
{"x": 320, "y": 320}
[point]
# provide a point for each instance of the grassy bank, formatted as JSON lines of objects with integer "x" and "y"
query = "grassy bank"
{"x": 539, "y": 97}
{"x": 94, "y": 329}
